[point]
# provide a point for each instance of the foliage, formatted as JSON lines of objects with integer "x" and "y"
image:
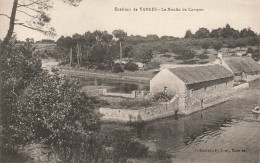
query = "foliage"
{"x": 153, "y": 65}
{"x": 205, "y": 45}
{"x": 183, "y": 52}
{"x": 250, "y": 50}
{"x": 188, "y": 34}
{"x": 203, "y": 56}
{"x": 161, "y": 97}
{"x": 117, "y": 68}
{"x": 202, "y": 33}
{"x": 52, "y": 104}
{"x": 131, "y": 66}
{"x": 240, "y": 43}
{"x": 120, "y": 34}
{"x": 217, "y": 45}
{"x": 160, "y": 155}
{"x": 136, "y": 103}
{"x": 19, "y": 67}
{"x": 142, "y": 52}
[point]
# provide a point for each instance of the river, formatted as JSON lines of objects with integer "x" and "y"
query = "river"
{"x": 114, "y": 86}
{"x": 228, "y": 132}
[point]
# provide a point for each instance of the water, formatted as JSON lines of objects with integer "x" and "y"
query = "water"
{"x": 228, "y": 132}
{"x": 114, "y": 86}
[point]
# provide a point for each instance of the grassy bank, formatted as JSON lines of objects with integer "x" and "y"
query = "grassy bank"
{"x": 137, "y": 76}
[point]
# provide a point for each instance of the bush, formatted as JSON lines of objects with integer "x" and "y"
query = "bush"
{"x": 134, "y": 103}
{"x": 153, "y": 65}
{"x": 161, "y": 97}
{"x": 131, "y": 66}
{"x": 250, "y": 50}
{"x": 160, "y": 155}
{"x": 117, "y": 68}
{"x": 203, "y": 56}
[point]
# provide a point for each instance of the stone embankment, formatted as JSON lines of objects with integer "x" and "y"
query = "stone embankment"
{"x": 158, "y": 110}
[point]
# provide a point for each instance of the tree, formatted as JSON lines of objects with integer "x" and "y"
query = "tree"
{"x": 217, "y": 45}
{"x": 152, "y": 38}
{"x": 64, "y": 46}
{"x": 121, "y": 35}
{"x": 216, "y": 33}
{"x": 231, "y": 44}
{"x": 142, "y": 53}
{"x": 247, "y": 33}
{"x": 36, "y": 10}
{"x": 205, "y": 45}
{"x": 188, "y": 34}
{"x": 240, "y": 43}
{"x": 53, "y": 110}
{"x": 202, "y": 33}
{"x": 79, "y": 42}
{"x": 183, "y": 52}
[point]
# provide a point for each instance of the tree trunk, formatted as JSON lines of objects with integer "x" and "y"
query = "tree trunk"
{"x": 120, "y": 52}
{"x": 11, "y": 25}
{"x": 70, "y": 57}
{"x": 78, "y": 53}
{"x": 3, "y": 46}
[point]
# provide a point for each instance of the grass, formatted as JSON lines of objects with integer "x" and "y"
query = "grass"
{"x": 126, "y": 103}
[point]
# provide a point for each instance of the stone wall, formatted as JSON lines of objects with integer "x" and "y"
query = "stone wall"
{"x": 96, "y": 92}
{"x": 103, "y": 92}
{"x": 145, "y": 114}
{"x": 206, "y": 96}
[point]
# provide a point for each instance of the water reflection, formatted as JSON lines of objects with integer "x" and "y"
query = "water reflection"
{"x": 174, "y": 133}
{"x": 112, "y": 85}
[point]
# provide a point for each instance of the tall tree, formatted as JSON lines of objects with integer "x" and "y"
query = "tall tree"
{"x": 121, "y": 35}
{"x": 79, "y": 40}
{"x": 37, "y": 12}
{"x": 188, "y": 34}
{"x": 202, "y": 33}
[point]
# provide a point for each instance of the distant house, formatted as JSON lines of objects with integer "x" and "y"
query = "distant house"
{"x": 244, "y": 68}
{"x": 197, "y": 87}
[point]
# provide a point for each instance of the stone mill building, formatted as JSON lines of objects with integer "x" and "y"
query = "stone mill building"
{"x": 196, "y": 87}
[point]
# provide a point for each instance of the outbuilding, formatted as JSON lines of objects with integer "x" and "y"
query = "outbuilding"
{"x": 245, "y": 69}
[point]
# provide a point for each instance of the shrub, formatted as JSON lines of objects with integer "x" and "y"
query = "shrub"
{"x": 153, "y": 65}
{"x": 131, "y": 66}
{"x": 117, "y": 68}
{"x": 203, "y": 56}
{"x": 250, "y": 50}
{"x": 134, "y": 103}
{"x": 161, "y": 97}
{"x": 160, "y": 155}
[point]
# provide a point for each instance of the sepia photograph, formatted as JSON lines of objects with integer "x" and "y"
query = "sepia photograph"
{"x": 129, "y": 81}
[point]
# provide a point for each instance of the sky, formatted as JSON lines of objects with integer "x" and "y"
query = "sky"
{"x": 93, "y": 15}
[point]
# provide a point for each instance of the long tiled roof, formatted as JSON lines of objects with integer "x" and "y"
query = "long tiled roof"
{"x": 239, "y": 64}
{"x": 198, "y": 74}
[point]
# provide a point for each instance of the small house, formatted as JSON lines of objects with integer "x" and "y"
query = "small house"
{"x": 245, "y": 69}
{"x": 197, "y": 87}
